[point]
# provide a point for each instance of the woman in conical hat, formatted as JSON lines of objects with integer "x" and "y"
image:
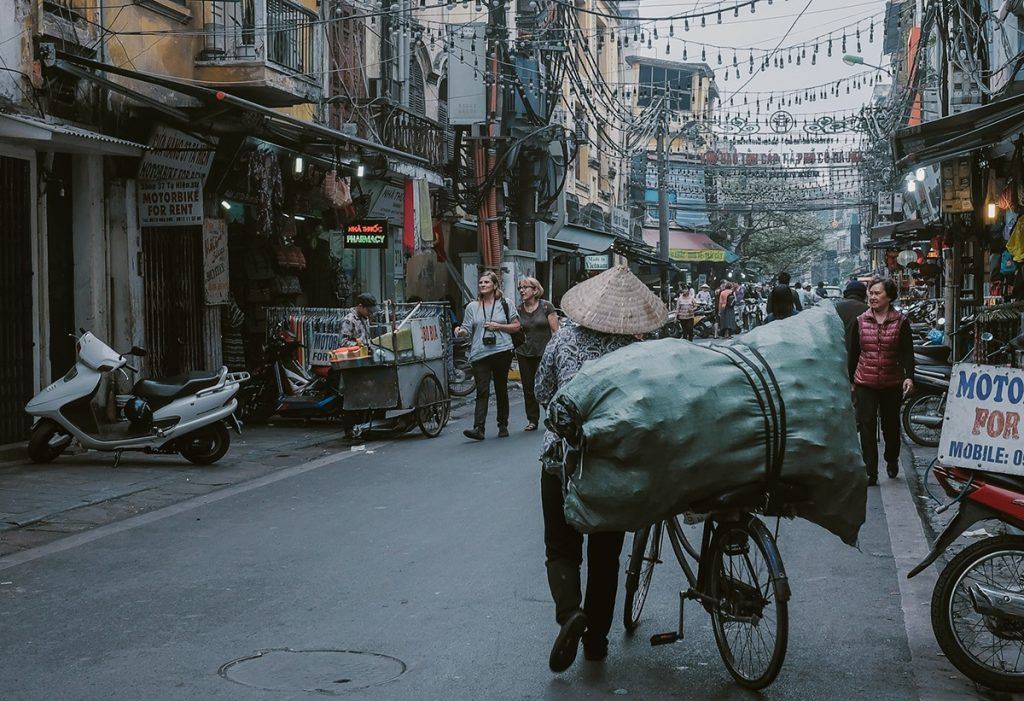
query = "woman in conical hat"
{"x": 608, "y": 311}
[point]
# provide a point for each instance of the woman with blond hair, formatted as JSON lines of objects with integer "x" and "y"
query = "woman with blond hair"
{"x": 489, "y": 321}
{"x": 539, "y": 321}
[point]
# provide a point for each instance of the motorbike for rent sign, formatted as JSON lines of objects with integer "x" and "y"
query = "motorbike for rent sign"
{"x": 170, "y": 202}
{"x": 981, "y": 429}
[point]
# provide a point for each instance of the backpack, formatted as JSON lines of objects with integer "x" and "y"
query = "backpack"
{"x": 519, "y": 337}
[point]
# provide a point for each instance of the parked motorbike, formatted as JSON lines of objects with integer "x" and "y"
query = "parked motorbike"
{"x": 753, "y": 314}
{"x": 923, "y": 415}
{"x": 977, "y": 607}
{"x": 187, "y": 414}
{"x": 282, "y": 386}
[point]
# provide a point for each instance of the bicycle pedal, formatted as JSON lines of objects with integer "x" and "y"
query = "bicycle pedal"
{"x": 664, "y": 638}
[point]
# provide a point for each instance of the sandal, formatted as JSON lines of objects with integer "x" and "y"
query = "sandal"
{"x": 530, "y": 427}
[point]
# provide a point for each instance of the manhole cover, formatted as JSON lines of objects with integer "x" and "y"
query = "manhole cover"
{"x": 320, "y": 671}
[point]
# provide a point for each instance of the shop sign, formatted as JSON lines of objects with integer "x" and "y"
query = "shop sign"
{"x": 175, "y": 155}
{"x": 389, "y": 204}
{"x": 982, "y": 422}
{"x": 708, "y": 256}
{"x": 368, "y": 233}
{"x": 215, "y": 261}
{"x": 600, "y": 261}
{"x": 170, "y": 202}
{"x": 885, "y": 203}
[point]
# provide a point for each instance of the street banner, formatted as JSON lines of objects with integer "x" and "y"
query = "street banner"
{"x": 707, "y": 255}
{"x": 982, "y": 429}
{"x": 170, "y": 202}
{"x": 215, "y": 261}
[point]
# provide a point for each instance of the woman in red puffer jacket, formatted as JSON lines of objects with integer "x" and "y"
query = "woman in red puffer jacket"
{"x": 881, "y": 357}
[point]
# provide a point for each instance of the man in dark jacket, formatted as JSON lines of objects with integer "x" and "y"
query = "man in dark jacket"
{"x": 853, "y": 305}
{"x": 782, "y": 300}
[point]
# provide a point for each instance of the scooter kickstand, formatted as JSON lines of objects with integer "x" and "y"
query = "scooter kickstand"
{"x": 117, "y": 457}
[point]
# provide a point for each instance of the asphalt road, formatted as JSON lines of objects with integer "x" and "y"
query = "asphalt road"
{"x": 426, "y": 551}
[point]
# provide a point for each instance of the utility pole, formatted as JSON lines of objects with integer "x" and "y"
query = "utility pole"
{"x": 663, "y": 251}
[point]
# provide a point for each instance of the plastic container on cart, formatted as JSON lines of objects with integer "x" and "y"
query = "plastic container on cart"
{"x": 399, "y": 341}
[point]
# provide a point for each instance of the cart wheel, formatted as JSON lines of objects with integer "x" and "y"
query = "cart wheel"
{"x": 433, "y": 408}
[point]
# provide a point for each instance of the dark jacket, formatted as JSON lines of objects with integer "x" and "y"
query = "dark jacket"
{"x": 781, "y": 301}
{"x": 884, "y": 357}
{"x": 849, "y": 309}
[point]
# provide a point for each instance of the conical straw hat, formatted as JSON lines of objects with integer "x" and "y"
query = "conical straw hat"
{"x": 616, "y": 301}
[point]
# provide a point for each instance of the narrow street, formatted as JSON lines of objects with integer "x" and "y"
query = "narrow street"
{"x": 428, "y": 552}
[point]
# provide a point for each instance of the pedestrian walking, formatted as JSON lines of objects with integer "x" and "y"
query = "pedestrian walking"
{"x": 782, "y": 301}
{"x": 704, "y": 295}
{"x": 489, "y": 322}
{"x": 820, "y": 292}
{"x": 881, "y": 367}
{"x": 852, "y": 306}
{"x": 608, "y": 312}
{"x": 686, "y": 308}
{"x": 539, "y": 321}
{"x": 727, "y": 325}
{"x": 806, "y": 297}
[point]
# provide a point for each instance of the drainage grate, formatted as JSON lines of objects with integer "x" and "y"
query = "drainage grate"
{"x": 319, "y": 671}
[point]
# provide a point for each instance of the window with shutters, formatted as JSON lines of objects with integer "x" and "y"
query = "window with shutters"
{"x": 417, "y": 88}
{"x": 347, "y": 50}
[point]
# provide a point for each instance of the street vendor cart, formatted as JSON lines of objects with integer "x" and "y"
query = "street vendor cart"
{"x": 400, "y": 379}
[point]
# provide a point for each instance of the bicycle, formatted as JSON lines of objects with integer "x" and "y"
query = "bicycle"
{"x": 740, "y": 579}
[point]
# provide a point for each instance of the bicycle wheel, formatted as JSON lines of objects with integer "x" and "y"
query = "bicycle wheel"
{"x": 645, "y": 555}
{"x": 462, "y": 383}
{"x": 750, "y": 620}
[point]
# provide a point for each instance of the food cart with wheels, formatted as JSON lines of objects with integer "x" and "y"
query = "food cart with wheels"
{"x": 401, "y": 379}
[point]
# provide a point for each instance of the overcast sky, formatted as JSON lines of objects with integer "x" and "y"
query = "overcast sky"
{"x": 765, "y": 29}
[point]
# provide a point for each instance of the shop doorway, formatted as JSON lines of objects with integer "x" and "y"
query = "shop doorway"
{"x": 60, "y": 246}
{"x": 16, "y": 342}
{"x": 172, "y": 264}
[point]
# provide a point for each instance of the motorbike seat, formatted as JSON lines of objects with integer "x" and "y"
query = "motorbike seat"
{"x": 176, "y": 386}
{"x": 936, "y": 352}
{"x": 1011, "y": 482}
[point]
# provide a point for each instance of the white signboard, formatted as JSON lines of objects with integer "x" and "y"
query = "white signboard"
{"x": 982, "y": 426}
{"x": 170, "y": 202}
{"x": 467, "y": 92}
{"x": 388, "y": 203}
{"x": 215, "y": 261}
{"x": 175, "y": 155}
{"x": 885, "y": 203}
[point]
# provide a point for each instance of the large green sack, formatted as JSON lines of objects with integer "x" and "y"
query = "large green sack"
{"x": 660, "y": 426}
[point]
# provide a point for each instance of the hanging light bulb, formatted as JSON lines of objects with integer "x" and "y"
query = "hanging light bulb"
{"x": 671, "y": 30}
{"x": 668, "y": 48}
{"x": 684, "y": 52}
{"x": 830, "y": 45}
{"x": 703, "y": 55}
{"x": 871, "y": 32}
{"x": 719, "y": 17}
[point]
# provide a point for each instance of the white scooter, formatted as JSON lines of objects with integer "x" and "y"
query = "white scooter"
{"x": 187, "y": 414}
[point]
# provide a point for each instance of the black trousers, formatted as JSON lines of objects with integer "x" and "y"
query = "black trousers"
{"x": 528, "y": 371}
{"x": 871, "y": 404}
{"x": 494, "y": 368}
{"x": 563, "y": 546}
{"x": 687, "y": 326}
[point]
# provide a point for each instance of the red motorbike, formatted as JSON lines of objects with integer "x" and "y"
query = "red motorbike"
{"x": 978, "y": 604}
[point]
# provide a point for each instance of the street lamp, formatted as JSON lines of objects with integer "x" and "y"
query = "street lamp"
{"x": 855, "y": 60}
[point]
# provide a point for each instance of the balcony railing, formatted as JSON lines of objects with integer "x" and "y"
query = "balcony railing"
{"x": 413, "y": 133}
{"x": 277, "y": 31}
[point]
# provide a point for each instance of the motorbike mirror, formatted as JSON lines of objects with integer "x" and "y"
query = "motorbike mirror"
{"x": 987, "y": 336}
{"x": 140, "y": 352}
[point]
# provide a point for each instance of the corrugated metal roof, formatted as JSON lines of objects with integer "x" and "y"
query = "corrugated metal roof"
{"x": 64, "y": 137}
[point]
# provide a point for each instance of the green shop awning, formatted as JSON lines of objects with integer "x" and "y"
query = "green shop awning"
{"x": 586, "y": 240}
